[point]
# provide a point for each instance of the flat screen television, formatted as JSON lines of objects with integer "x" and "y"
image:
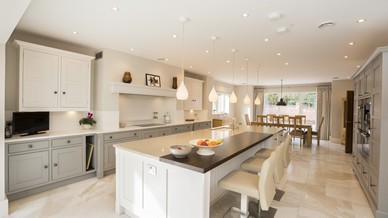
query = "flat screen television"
{"x": 30, "y": 123}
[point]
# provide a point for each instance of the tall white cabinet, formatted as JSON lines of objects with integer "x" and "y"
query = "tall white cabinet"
{"x": 194, "y": 87}
{"x": 370, "y": 150}
{"x": 52, "y": 79}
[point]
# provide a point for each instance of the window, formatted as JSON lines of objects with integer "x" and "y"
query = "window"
{"x": 222, "y": 104}
{"x": 297, "y": 103}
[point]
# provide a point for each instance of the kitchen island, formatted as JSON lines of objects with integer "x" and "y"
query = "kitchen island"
{"x": 150, "y": 182}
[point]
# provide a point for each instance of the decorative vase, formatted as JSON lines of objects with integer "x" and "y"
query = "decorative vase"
{"x": 127, "y": 78}
{"x": 87, "y": 126}
{"x": 174, "y": 83}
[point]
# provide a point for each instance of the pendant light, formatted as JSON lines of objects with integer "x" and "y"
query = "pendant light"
{"x": 233, "y": 97}
{"x": 281, "y": 102}
{"x": 247, "y": 99}
{"x": 257, "y": 99}
{"x": 182, "y": 93}
{"x": 213, "y": 97}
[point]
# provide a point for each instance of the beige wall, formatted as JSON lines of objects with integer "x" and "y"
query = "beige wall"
{"x": 339, "y": 88}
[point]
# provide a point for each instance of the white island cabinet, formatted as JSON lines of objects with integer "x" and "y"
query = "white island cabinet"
{"x": 150, "y": 182}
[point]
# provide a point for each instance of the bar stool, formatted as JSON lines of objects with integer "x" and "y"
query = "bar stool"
{"x": 247, "y": 184}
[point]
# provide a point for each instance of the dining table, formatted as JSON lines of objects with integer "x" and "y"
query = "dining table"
{"x": 308, "y": 127}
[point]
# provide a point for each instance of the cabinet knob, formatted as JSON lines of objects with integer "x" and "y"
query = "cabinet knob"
{"x": 30, "y": 146}
{"x": 55, "y": 92}
{"x": 45, "y": 166}
{"x": 63, "y": 92}
{"x": 111, "y": 137}
{"x": 68, "y": 141}
{"x": 364, "y": 173}
{"x": 150, "y": 136}
{"x": 135, "y": 134}
{"x": 55, "y": 165}
{"x": 164, "y": 133}
{"x": 372, "y": 185}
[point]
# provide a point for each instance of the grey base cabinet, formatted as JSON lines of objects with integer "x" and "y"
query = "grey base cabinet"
{"x": 109, "y": 155}
{"x": 66, "y": 162}
{"x": 27, "y": 170}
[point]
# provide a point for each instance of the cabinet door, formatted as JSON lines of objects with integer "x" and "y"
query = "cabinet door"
{"x": 368, "y": 81}
{"x": 27, "y": 170}
{"x": 75, "y": 79}
{"x": 377, "y": 77}
{"x": 67, "y": 162}
{"x": 196, "y": 89}
{"x": 109, "y": 155}
{"x": 39, "y": 80}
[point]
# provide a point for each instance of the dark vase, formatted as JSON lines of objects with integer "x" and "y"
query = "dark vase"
{"x": 174, "y": 83}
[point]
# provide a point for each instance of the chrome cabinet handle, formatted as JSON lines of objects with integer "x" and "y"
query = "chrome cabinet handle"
{"x": 68, "y": 141}
{"x": 55, "y": 165}
{"x": 30, "y": 146}
{"x": 64, "y": 93}
{"x": 45, "y": 166}
{"x": 55, "y": 92}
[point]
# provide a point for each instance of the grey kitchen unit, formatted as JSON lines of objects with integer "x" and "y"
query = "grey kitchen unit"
{"x": 202, "y": 125}
{"x": 369, "y": 141}
{"x": 36, "y": 165}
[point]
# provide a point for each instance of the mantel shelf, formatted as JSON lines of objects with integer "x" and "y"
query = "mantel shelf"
{"x": 125, "y": 88}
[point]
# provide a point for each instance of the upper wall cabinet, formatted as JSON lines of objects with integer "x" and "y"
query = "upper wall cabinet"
{"x": 194, "y": 87}
{"x": 53, "y": 80}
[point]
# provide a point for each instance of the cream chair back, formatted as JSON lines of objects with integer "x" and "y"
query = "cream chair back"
{"x": 279, "y": 169}
{"x": 286, "y": 156}
{"x": 267, "y": 187}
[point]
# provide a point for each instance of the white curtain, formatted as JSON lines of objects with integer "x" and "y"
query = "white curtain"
{"x": 258, "y": 109}
{"x": 323, "y": 110}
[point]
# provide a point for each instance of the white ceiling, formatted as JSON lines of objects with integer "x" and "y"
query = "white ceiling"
{"x": 314, "y": 55}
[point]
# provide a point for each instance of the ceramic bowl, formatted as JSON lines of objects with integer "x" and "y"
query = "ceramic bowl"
{"x": 180, "y": 151}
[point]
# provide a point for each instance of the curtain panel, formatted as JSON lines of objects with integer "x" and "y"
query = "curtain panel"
{"x": 323, "y": 110}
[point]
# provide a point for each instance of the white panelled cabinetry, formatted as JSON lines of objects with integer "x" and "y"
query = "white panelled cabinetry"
{"x": 52, "y": 79}
{"x": 194, "y": 87}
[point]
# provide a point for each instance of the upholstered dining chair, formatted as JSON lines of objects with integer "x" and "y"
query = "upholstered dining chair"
{"x": 318, "y": 132}
{"x": 261, "y": 187}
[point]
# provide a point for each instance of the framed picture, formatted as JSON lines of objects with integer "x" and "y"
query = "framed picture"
{"x": 153, "y": 80}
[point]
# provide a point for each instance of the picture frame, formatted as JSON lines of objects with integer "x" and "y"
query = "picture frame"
{"x": 153, "y": 80}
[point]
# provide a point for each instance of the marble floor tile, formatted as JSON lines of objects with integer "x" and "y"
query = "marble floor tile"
{"x": 319, "y": 182}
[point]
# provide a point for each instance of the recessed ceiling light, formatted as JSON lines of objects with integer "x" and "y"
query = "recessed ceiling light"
{"x": 278, "y": 54}
{"x": 162, "y": 59}
{"x": 208, "y": 72}
{"x": 266, "y": 39}
{"x": 242, "y": 68}
{"x": 358, "y": 66}
{"x": 132, "y": 49}
{"x": 336, "y": 77}
{"x": 115, "y": 9}
{"x": 282, "y": 29}
{"x": 286, "y": 63}
{"x": 75, "y": 32}
{"x": 346, "y": 56}
{"x": 191, "y": 66}
{"x": 274, "y": 16}
{"x": 348, "y": 77}
{"x": 174, "y": 36}
{"x": 245, "y": 15}
{"x": 352, "y": 43}
{"x": 207, "y": 51}
{"x": 361, "y": 20}
{"x": 228, "y": 61}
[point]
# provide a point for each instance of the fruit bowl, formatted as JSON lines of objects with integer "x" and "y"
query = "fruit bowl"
{"x": 206, "y": 148}
{"x": 180, "y": 151}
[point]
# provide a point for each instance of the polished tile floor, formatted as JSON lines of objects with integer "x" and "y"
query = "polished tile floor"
{"x": 319, "y": 182}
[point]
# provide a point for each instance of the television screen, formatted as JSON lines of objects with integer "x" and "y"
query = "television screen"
{"x": 30, "y": 122}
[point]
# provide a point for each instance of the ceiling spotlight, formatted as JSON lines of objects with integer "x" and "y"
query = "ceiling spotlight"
{"x": 207, "y": 51}
{"x": 115, "y": 9}
{"x": 346, "y": 56}
{"x": 326, "y": 24}
{"x": 245, "y": 15}
{"x": 132, "y": 49}
{"x": 274, "y": 16}
{"x": 228, "y": 61}
{"x": 282, "y": 29}
{"x": 278, "y": 54}
{"x": 75, "y": 32}
{"x": 336, "y": 77}
{"x": 162, "y": 59}
{"x": 174, "y": 36}
{"x": 358, "y": 66}
{"x": 266, "y": 39}
{"x": 191, "y": 67}
{"x": 242, "y": 68}
{"x": 361, "y": 20}
{"x": 286, "y": 63}
{"x": 352, "y": 43}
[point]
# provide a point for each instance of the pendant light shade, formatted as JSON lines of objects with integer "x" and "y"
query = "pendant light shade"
{"x": 213, "y": 97}
{"x": 182, "y": 93}
{"x": 233, "y": 98}
{"x": 257, "y": 100}
{"x": 247, "y": 99}
{"x": 281, "y": 102}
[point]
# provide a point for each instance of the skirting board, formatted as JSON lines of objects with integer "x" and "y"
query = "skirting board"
{"x": 335, "y": 140}
{"x": 4, "y": 207}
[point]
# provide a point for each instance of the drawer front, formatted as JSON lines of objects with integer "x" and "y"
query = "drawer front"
{"x": 66, "y": 141}
{"x": 182, "y": 128}
{"x": 373, "y": 186}
{"x": 203, "y": 125}
{"x": 165, "y": 131}
{"x": 147, "y": 134}
{"x": 27, "y": 146}
{"x": 132, "y": 135}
